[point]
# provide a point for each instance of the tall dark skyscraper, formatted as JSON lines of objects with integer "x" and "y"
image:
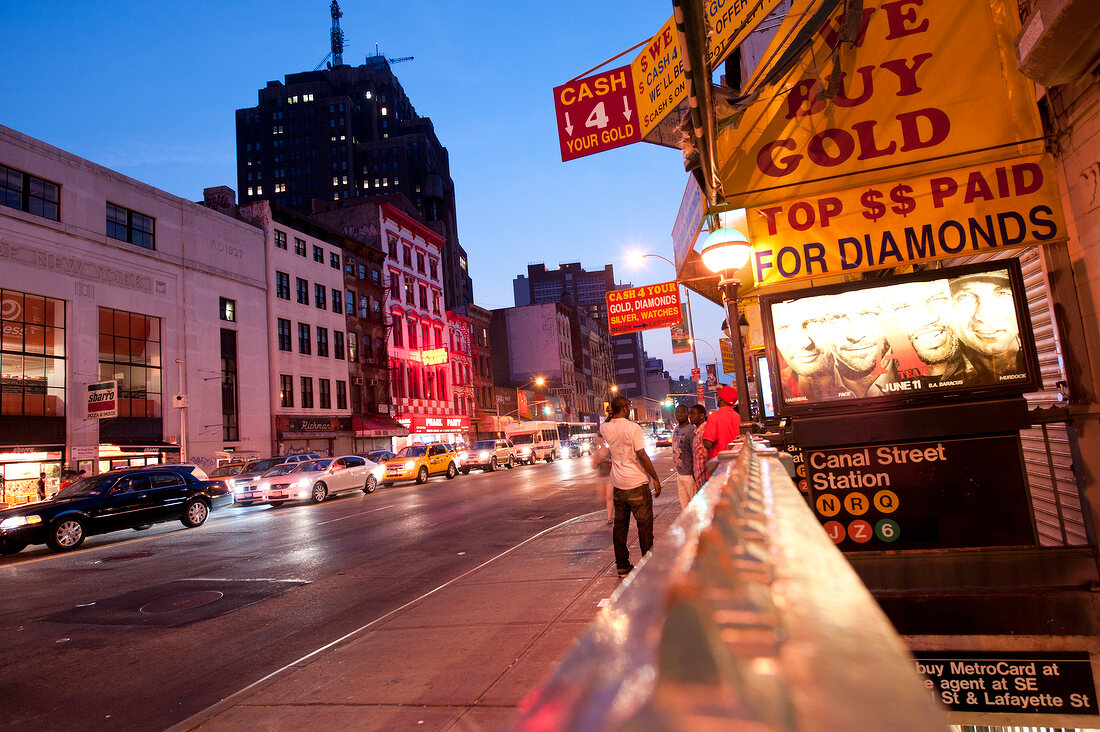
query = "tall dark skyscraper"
{"x": 348, "y": 132}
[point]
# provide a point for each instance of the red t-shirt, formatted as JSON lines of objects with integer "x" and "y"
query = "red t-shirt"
{"x": 722, "y": 427}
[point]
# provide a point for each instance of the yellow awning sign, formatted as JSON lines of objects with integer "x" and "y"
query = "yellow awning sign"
{"x": 659, "y": 80}
{"x": 730, "y": 22}
{"x": 923, "y": 82}
{"x": 938, "y": 216}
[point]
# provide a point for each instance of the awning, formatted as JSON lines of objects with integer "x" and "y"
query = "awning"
{"x": 378, "y": 426}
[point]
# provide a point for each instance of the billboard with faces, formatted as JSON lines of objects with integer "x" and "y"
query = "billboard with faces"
{"x": 957, "y": 334}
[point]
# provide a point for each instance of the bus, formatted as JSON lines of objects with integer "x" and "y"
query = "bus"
{"x": 534, "y": 440}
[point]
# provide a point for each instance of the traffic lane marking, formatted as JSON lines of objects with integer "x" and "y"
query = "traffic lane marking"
{"x": 353, "y": 515}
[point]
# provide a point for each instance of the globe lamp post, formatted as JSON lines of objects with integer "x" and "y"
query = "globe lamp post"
{"x": 725, "y": 252}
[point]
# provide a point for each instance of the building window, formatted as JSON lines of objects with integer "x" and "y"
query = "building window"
{"x": 32, "y": 355}
{"x": 432, "y": 265}
{"x": 337, "y": 300}
{"x": 338, "y": 344}
{"x": 420, "y": 262}
{"x": 286, "y": 390}
{"x": 392, "y": 246}
{"x": 227, "y": 309}
{"x": 341, "y": 394}
{"x": 397, "y": 330}
{"x": 318, "y": 254}
{"x": 408, "y": 258}
{"x": 410, "y": 296}
{"x": 368, "y": 352}
{"x": 395, "y": 286}
{"x": 435, "y": 303}
{"x": 362, "y": 272}
{"x": 130, "y": 226}
{"x": 307, "y": 392}
{"x": 334, "y": 260}
{"x": 424, "y": 297}
{"x": 322, "y": 342}
{"x": 129, "y": 350}
{"x": 230, "y": 396}
{"x": 24, "y": 192}
{"x": 412, "y": 333}
{"x": 349, "y": 266}
{"x": 364, "y": 302}
{"x": 280, "y": 239}
{"x": 325, "y": 389}
{"x": 303, "y": 338}
{"x": 353, "y": 347}
{"x": 300, "y": 247}
{"x": 303, "y": 291}
{"x": 284, "y": 334}
{"x": 350, "y": 303}
{"x": 282, "y": 285}
{"x": 320, "y": 297}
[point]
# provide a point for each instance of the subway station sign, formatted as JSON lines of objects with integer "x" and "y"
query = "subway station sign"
{"x": 965, "y": 492}
{"x": 643, "y": 308}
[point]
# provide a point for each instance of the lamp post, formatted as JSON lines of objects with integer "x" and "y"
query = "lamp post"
{"x": 537, "y": 381}
{"x": 725, "y": 251}
{"x": 691, "y": 324}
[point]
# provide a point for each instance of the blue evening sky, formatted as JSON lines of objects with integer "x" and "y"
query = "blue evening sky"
{"x": 149, "y": 89}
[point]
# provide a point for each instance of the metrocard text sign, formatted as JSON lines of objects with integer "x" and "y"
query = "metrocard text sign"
{"x": 961, "y": 212}
{"x": 643, "y": 308}
{"x": 596, "y": 113}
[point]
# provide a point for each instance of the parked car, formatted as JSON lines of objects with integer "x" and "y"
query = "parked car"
{"x": 570, "y": 448}
{"x": 128, "y": 498}
{"x": 229, "y": 470}
{"x": 378, "y": 456}
{"x": 663, "y": 439}
{"x": 488, "y": 455}
{"x": 256, "y": 468}
{"x": 417, "y": 462}
{"x": 255, "y": 490}
{"x": 318, "y": 479}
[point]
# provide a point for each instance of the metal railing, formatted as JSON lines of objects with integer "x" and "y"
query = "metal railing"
{"x": 746, "y": 617}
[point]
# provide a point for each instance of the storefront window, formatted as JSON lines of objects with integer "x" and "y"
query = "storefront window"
{"x": 32, "y": 355}
{"x": 129, "y": 350}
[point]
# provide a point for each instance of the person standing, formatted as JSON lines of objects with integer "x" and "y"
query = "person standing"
{"x": 724, "y": 425}
{"x": 41, "y": 486}
{"x": 697, "y": 415}
{"x": 631, "y": 473}
{"x": 682, "y": 435}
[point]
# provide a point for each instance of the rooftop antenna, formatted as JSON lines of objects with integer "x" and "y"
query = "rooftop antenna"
{"x": 336, "y": 35}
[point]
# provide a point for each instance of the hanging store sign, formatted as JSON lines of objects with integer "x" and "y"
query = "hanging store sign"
{"x": 103, "y": 400}
{"x": 681, "y": 339}
{"x": 922, "y": 495}
{"x": 959, "y": 213}
{"x": 914, "y": 88}
{"x": 419, "y": 424}
{"x": 730, "y": 22}
{"x": 596, "y": 113}
{"x": 729, "y": 365}
{"x": 660, "y": 83}
{"x": 643, "y": 308}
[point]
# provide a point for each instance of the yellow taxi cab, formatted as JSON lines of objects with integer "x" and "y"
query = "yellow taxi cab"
{"x": 417, "y": 462}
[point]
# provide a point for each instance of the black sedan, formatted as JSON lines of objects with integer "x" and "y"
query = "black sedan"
{"x": 130, "y": 498}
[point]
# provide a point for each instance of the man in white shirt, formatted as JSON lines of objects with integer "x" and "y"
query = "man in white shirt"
{"x": 631, "y": 473}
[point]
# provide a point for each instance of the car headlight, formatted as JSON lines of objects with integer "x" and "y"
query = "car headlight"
{"x": 16, "y": 521}
{"x": 463, "y": 455}
{"x": 410, "y": 465}
{"x": 302, "y": 483}
{"x": 483, "y": 455}
{"x": 238, "y": 487}
{"x": 378, "y": 472}
{"x": 524, "y": 450}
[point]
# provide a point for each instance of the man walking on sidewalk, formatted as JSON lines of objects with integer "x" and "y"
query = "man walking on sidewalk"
{"x": 631, "y": 473}
{"x": 682, "y": 436}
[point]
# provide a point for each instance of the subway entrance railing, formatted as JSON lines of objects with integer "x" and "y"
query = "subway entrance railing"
{"x": 747, "y": 618}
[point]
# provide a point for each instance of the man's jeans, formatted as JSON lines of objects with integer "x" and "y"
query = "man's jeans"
{"x": 638, "y": 501}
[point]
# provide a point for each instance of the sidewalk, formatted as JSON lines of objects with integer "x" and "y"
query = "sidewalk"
{"x": 461, "y": 657}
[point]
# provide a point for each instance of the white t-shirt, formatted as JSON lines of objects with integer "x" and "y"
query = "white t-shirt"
{"x": 625, "y": 439}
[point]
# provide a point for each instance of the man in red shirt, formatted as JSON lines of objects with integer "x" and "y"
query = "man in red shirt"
{"x": 723, "y": 425}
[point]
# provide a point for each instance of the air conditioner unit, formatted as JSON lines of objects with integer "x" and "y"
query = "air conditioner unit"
{"x": 1059, "y": 41}
{"x": 372, "y": 382}
{"x": 358, "y": 381}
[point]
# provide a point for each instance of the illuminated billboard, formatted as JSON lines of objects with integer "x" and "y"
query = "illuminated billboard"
{"x": 958, "y": 333}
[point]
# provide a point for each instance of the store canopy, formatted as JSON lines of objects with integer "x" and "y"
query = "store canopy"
{"x": 378, "y": 426}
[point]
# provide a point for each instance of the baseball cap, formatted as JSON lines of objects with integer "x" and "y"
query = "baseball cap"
{"x": 728, "y": 394}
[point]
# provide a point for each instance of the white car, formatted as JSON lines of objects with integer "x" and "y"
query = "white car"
{"x": 318, "y": 479}
{"x": 255, "y": 489}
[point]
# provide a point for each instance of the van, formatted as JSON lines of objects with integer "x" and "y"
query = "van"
{"x": 534, "y": 441}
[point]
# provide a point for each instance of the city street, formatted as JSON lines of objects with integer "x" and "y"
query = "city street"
{"x": 142, "y": 630}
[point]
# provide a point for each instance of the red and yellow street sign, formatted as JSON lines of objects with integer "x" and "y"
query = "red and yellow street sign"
{"x": 643, "y": 308}
{"x": 659, "y": 80}
{"x": 937, "y": 216}
{"x": 596, "y": 113}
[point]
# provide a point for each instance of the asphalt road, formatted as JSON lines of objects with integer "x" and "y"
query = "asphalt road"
{"x": 140, "y": 630}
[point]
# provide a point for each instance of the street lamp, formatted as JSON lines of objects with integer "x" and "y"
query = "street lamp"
{"x": 537, "y": 381}
{"x": 691, "y": 325}
{"x": 725, "y": 251}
